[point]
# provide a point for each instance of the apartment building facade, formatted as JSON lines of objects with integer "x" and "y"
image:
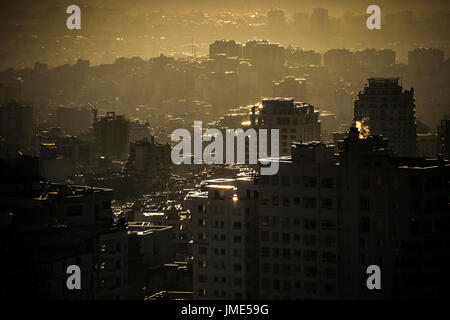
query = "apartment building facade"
{"x": 224, "y": 240}
{"x": 296, "y": 121}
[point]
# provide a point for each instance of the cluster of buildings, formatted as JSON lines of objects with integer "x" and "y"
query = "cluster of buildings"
{"x": 311, "y": 231}
{"x": 343, "y": 199}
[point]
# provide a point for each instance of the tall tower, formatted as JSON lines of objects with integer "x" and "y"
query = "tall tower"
{"x": 389, "y": 111}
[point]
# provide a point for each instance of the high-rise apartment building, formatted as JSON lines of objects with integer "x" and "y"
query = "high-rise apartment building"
{"x": 394, "y": 214}
{"x": 112, "y": 136}
{"x": 229, "y": 48}
{"x": 321, "y": 221}
{"x": 389, "y": 111}
{"x": 296, "y": 121}
{"x": 298, "y": 227}
{"x": 16, "y": 124}
{"x": 224, "y": 239}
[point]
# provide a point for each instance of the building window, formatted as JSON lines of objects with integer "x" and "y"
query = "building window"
{"x": 310, "y": 255}
{"x": 309, "y": 182}
{"x": 310, "y": 224}
{"x": 275, "y": 201}
{"x": 327, "y": 183}
{"x": 328, "y": 226}
{"x": 327, "y": 204}
{"x": 364, "y": 224}
{"x": 309, "y": 203}
{"x": 310, "y": 272}
{"x": 286, "y": 202}
{"x": 364, "y": 204}
{"x": 310, "y": 239}
{"x": 329, "y": 257}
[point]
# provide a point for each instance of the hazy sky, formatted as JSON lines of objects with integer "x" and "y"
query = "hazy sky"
{"x": 336, "y": 7}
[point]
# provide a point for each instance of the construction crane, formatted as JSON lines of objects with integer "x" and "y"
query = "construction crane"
{"x": 94, "y": 111}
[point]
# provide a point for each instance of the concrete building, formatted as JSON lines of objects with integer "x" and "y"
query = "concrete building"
{"x": 150, "y": 248}
{"x": 444, "y": 138}
{"x": 319, "y": 23}
{"x": 427, "y": 145}
{"x": 298, "y": 226}
{"x": 276, "y": 18}
{"x": 46, "y": 227}
{"x": 319, "y": 223}
{"x": 389, "y": 111}
{"x": 303, "y": 57}
{"x": 296, "y": 121}
{"x": 149, "y": 162}
{"x": 291, "y": 87}
{"x": 229, "y": 48}
{"x": 423, "y": 61}
{"x": 139, "y": 131}
{"x": 224, "y": 240}
{"x": 339, "y": 60}
{"x": 16, "y": 124}
{"x": 112, "y": 136}
{"x": 394, "y": 214}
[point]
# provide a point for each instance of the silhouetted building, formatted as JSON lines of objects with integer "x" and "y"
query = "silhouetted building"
{"x": 444, "y": 138}
{"x": 150, "y": 163}
{"x": 298, "y": 226}
{"x": 394, "y": 214}
{"x": 47, "y": 227}
{"x": 16, "y": 124}
{"x": 303, "y": 57}
{"x": 224, "y": 240}
{"x": 319, "y": 23}
{"x": 296, "y": 121}
{"x": 112, "y": 136}
{"x": 427, "y": 145}
{"x": 425, "y": 61}
{"x": 291, "y": 87}
{"x": 229, "y": 48}
{"x": 389, "y": 111}
{"x": 149, "y": 247}
{"x": 276, "y": 18}
{"x": 339, "y": 60}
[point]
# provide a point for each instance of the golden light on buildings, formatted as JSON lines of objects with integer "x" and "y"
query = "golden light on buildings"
{"x": 363, "y": 128}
